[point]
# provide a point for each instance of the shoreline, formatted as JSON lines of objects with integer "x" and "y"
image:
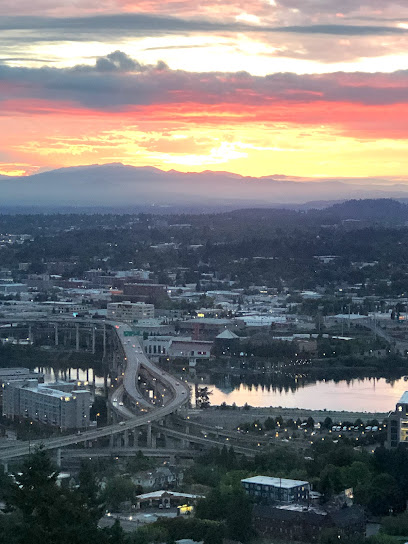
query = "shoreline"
{"x": 237, "y": 415}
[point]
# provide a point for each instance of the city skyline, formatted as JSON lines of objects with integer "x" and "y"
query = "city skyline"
{"x": 292, "y": 88}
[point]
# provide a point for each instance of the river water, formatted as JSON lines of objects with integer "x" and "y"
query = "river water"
{"x": 50, "y": 375}
{"x": 357, "y": 395}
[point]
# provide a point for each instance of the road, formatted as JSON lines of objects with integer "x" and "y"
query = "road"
{"x": 89, "y": 453}
{"x": 135, "y": 359}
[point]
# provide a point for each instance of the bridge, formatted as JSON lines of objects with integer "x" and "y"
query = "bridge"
{"x": 134, "y": 414}
{"x": 142, "y": 414}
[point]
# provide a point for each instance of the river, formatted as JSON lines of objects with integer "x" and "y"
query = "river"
{"x": 358, "y": 395}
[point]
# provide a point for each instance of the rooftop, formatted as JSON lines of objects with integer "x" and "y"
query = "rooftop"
{"x": 14, "y": 372}
{"x": 404, "y": 398}
{"x": 227, "y": 335}
{"x": 159, "y": 494}
{"x": 275, "y": 482}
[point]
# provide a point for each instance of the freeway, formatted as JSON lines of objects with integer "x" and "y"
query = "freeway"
{"x": 135, "y": 360}
{"x": 90, "y": 453}
{"x": 206, "y": 441}
{"x": 219, "y": 432}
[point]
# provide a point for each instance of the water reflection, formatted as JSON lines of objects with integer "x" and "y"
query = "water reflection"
{"x": 354, "y": 394}
{"x": 57, "y": 375}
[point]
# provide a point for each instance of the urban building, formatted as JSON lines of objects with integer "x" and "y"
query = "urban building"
{"x": 207, "y": 328}
{"x": 59, "y": 405}
{"x": 63, "y": 307}
{"x": 13, "y": 288}
{"x": 177, "y": 347}
{"x": 397, "y": 423}
{"x": 129, "y": 311}
{"x": 295, "y": 522}
{"x": 227, "y": 343}
{"x": 13, "y": 374}
{"x": 154, "y": 293}
{"x": 270, "y": 490}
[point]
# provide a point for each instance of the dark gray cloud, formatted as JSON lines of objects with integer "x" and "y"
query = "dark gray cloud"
{"x": 117, "y": 82}
{"x": 331, "y": 7}
{"x": 102, "y": 27}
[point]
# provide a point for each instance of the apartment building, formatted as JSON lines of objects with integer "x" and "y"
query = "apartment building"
{"x": 59, "y": 405}
{"x": 129, "y": 312}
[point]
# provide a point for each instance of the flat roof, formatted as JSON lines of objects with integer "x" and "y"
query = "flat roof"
{"x": 301, "y": 508}
{"x": 14, "y": 371}
{"x": 159, "y": 494}
{"x": 275, "y": 482}
{"x": 46, "y": 391}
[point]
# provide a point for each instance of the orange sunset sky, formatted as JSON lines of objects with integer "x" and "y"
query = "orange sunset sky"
{"x": 313, "y": 88}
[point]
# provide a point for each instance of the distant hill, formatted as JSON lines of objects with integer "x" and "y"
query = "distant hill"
{"x": 134, "y": 188}
{"x": 380, "y": 210}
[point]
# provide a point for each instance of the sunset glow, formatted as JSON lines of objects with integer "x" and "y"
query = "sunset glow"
{"x": 282, "y": 87}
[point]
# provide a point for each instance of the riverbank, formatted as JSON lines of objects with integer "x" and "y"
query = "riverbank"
{"x": 231, "y": 418}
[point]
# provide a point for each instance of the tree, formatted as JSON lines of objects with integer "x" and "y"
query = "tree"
{"x": 239, "y": 517}
{"x": 45, "y": 513}
{"x": 327, "y": 423}
{"x": 203, "y": 397}
{"x": 118, "y": 490}
{"x": 310, "y": 423}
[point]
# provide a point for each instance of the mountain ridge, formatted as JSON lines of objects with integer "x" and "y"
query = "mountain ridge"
{"x": 117, "y": 184}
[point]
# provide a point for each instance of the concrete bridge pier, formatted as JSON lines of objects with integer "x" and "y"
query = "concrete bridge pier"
{"x": 5, "y": 466}
{"x": 30, "y": 334}
{"x": 56, "y": 334}
{"x": 149, "y": 435}
{"x": 126, "y": 439}
{"x": 58, "y": 458}
{"x": 93, "y": 340}
{"x": 77, "y": 336}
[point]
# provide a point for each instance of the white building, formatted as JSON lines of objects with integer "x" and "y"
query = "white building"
{"x": 177, "y": 347}
{"x": 130, "y": 311}
{"x": 66, "y": 408}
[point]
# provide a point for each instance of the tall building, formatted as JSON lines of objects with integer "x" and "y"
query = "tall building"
{"x": 129, "y": 311}
{"x": 397, "y": 423}
{"x": 59, "y": 405}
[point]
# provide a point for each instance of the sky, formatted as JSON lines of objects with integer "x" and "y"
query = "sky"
{"x": 312, "y": 88}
